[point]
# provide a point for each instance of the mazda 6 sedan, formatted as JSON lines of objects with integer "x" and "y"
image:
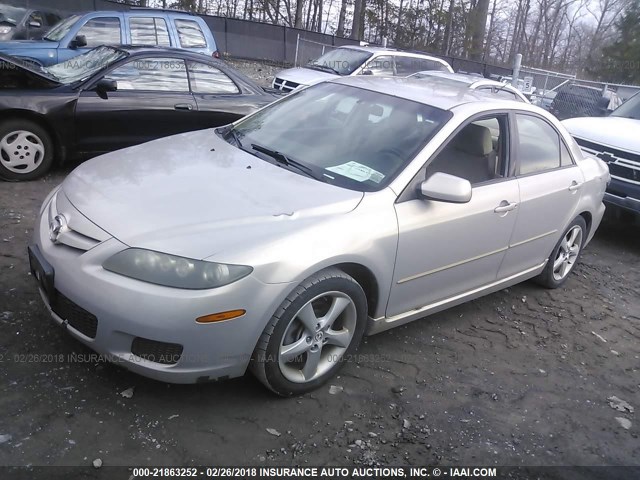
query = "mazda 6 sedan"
{"x": 111, "y": 98}
{"x": 275, "y": 243}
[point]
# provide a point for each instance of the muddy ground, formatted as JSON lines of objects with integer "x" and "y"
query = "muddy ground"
{"x": 520, "y": 377}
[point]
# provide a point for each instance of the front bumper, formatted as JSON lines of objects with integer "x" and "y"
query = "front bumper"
{"x": 623, "y": 194}
{"x": 129, "y": 312}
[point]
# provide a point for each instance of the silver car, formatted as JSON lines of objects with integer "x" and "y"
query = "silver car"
{"x": 472, "y": 82}
{"x": 275, "y": 243}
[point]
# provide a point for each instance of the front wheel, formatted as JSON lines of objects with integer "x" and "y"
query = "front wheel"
{"x": 26, "y": 150}
{"x": 565, "y": 255}
{"x": 317, "y": 328}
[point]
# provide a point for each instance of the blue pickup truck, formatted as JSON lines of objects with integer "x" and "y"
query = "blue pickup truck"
{"x": 77, "y": 34}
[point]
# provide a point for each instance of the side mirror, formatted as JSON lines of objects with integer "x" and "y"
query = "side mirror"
{"x": 35, "y": 24}
{"x": 105, "y": 86}
{"x": 446, "y": 188}
{"x": 78, "y": 42}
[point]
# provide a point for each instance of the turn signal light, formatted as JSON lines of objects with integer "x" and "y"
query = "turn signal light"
{"x": 221, "y": 316}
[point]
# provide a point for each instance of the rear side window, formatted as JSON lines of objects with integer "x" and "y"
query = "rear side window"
{"x": 102, "y": 31}
{"x": 382, "y": 65}
{"x": 538, "y": 145}
{"x": 149, "y": 31}
{"x": 190, "y": 34}
{"x": 209, "y": 79}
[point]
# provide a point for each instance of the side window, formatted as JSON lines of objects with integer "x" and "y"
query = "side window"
{"x": 209, "y": 79}
{"x": 35, "y": 18}
{"x": 101, "y": 31}
{"x": 565, "y": 156}
{"x": 505, "y": 94}
{"x": 149, "y": 31}
{"x": 477, "y": 153}
{"x": 406, "y": 66}
{"x": 51, "y": 18}
{"x": 190, "y": 34}
{"x": 382, "y": 65}
{"x": 538, "y": 145}
{"x": 152, "y": 74}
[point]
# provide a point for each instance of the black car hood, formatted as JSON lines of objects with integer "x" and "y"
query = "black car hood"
{"x": 31, "y": 76}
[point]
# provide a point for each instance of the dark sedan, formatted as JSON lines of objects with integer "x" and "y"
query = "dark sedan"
{"x": 111, "y": 98}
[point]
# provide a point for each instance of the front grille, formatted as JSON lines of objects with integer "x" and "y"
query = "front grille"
{"x": 622, "y": 165}
{"x": 285, "y": 85}
{"x": 76, "y": 316}
{"x": 158, "y": 352}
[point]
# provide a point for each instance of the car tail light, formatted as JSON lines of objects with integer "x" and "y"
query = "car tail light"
{"x": 216, "y": 54}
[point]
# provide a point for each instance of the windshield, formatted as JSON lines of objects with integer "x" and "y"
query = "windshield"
{"x": 629, "y": 109}
{"x": 11, "y": 14}
{"x": 85, "y": 65}
{"x": 342, "y": 61}
{"x": 58, "y": 32}
{"x": 346, "y": 136}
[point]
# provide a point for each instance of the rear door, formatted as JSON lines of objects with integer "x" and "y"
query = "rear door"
{"x": 219, "y": 98}
{"x": 152, "y": 101}
{"x": 550, "y": 184}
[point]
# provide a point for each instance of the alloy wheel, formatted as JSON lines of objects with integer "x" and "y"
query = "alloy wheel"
{"x": 317, "y": 337}
{"x": 567, "y": 253}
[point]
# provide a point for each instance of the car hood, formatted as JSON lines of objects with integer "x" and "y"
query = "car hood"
{"x": 9, "y": 63}
{"x": 305, "y": 76}
{"x": 616, "y": 132}
{"x": 14, "y": 45}
{"x": 195, "y": 195}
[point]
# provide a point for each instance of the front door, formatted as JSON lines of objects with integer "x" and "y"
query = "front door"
{"x": 152, "y": 101}
{"x": 447, "y": 249}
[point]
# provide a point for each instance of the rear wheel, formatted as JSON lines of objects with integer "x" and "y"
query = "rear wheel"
{"x": 313, "y": 332}
{"x": 564, "y": 255}
{"x": 26, "y": 150}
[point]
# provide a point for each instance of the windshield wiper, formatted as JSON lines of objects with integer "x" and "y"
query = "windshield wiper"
{"x": 325, "y": 67}
{"x": 229, "y": 131}
{"x": 282, "y": 159}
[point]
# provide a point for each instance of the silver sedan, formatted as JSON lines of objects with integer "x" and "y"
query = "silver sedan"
{"x": 275, "y": 243}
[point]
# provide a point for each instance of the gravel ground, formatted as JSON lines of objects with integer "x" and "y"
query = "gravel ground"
{"x": 525, "y": 376}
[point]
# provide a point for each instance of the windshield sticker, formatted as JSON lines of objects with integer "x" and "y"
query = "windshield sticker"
{"x": 358, "y": 172}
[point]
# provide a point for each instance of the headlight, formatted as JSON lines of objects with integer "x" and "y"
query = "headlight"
{"x": 5, "y": 30}
{"x": 173, "y": 271}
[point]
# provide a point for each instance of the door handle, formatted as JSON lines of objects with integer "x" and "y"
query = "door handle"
{"x": 505, "y": 207}
{"x": 183, "y": 106}
{"x": 575, "y": 186}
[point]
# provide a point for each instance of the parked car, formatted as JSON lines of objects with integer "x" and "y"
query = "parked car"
{"x": 110, "y": 98}
{"x": 544, "y": 99}
{"x": 616, "y": 140}
{"x": 357, "y": 60}
{"x": 352, "y": 206}
{"x": 17, "y": 23}
{"x": 582, "y": 101}
{"x": 472, "y": 82}
{"x": 78, "y": 34}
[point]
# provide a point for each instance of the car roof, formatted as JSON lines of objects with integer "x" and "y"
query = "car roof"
{"x": 441, "y": 95}
{"x": 367, "y": 48}
{"x": 143, "y": 49}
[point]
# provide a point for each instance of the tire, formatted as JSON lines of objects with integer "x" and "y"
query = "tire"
{"x": 300, "y": 349}
{"x": 26, "y": 150}
{"x": 564, "y": 255}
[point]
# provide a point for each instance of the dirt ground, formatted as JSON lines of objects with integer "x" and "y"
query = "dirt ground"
{"x": 521, "y": 377}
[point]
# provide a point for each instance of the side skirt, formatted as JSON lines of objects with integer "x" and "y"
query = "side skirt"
{"x": 377, "y": 325}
